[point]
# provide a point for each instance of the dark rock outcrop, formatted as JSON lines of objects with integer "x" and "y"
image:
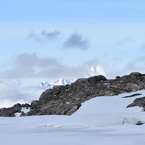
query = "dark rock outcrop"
{"x": 10, "y": 112}
{"x": 138, "y": 102}
{"x": 139, "y": 123}
{"x": 65, "y": 100}
{"x": 133, "y": 95}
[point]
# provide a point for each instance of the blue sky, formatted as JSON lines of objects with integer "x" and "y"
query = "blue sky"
{"x": 43, "y": 40}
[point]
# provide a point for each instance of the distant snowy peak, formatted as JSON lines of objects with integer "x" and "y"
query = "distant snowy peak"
{"x": 57, "y": 83}
{"x": 46, "y": 84}
{"x": 89, "y": 72}
{"x": 95, "y": 70}
{"x": 63, "y": 82}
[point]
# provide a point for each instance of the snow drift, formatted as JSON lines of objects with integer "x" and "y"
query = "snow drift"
{"x": 101, "y": 120}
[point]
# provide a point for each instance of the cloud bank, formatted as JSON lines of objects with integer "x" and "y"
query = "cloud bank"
{"x": 12, "y": 93}
{"x": 32, "y": 66}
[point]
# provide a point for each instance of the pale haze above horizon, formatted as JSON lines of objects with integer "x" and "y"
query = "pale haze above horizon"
{"x": 43, "y": 40}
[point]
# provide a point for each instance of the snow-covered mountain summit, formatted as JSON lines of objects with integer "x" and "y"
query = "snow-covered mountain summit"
{"x": 57, "y": 83}
{"x": 63, "y": 82}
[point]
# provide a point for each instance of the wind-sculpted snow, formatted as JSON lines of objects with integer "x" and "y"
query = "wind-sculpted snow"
{"x": 104, "y": 121}
{"x": 113, "y": 104}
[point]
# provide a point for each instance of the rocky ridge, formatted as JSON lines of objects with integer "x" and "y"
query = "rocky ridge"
{"x": 65, "y": 100}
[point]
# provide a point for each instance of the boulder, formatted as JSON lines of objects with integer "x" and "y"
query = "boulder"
{"x": 11, "y": 111}
{"x": 139, "y": 123}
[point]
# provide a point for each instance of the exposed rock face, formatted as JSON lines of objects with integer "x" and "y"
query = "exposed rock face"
{"x": 138, "y": 102}
{"x": 65, "y": 100}
{"x": 10, "y": 112}
{"x": 133, "y": 95}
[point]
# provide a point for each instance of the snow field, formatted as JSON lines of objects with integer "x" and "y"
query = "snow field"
{"x": 102, "y": 120}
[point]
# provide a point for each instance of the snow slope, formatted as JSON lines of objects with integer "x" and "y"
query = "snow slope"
{"x": 102, "y": 121}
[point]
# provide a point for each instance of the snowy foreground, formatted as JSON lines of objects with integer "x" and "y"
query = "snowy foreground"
{"x": 101, "y": 121}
